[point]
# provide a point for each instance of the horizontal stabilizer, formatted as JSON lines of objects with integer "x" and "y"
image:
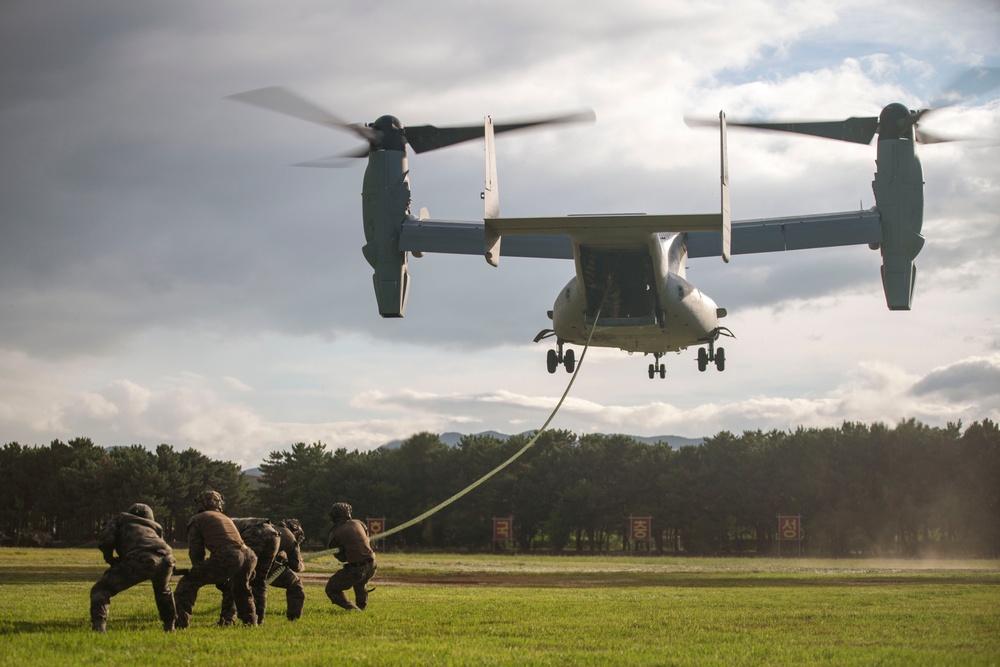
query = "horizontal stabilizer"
{"x": 606, "y": 228}
{"x": 748, "y": 236}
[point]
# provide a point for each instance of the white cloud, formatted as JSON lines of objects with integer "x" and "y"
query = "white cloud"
{"x": 235, "y": 384}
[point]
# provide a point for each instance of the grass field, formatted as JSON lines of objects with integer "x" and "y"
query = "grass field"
{"x": 534, "y": 610}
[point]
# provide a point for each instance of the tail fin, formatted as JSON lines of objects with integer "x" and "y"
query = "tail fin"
{"x": 491, "y": 198}
{"x": 727, "y": 223}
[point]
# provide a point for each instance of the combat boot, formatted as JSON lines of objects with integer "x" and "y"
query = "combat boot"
{"x": 338, "y": 598}
{"x": 361, "y": 599}
{"x": 296, "y": 599}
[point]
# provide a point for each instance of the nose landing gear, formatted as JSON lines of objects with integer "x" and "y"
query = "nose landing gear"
{"x": 718, "y": 357}
{"x": 713, "y": 355}
{"x": 554, "y": 359}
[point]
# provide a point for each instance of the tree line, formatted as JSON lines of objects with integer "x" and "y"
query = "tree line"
{"x": 860, "y": 489}
{"x": 67, "y": 490}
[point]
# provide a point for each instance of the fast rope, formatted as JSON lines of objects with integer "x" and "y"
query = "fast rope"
{"x": 440, "y": 506}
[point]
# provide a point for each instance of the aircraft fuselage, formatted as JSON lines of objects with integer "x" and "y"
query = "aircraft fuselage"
{"x": 635, "y": 297}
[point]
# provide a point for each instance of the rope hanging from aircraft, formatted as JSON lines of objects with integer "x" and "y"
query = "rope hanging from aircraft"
{"x": 440, "y": 506}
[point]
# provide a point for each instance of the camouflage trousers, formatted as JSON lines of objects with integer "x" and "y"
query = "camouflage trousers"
{"x": 235, "y": 566}
{"x": 130, "y": 570}
{"x": 354, "y": 576}
{"x": 265, "y": 544}
{"x": 295, "y": 594}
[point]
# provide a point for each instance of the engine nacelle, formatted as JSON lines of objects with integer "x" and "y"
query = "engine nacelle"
{"x": 899, "y": 197}
{"x": 385, "y": 205}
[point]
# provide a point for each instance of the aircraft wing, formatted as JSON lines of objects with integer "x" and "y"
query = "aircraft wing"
{"x": 466, "y": 238}
{"x": 553, "y": 237}
{"x": 793, "y": 233}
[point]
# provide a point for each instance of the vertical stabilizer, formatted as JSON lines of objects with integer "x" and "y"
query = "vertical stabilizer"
{"x": 491, "y": 199}
{"x": 727, "y": 224}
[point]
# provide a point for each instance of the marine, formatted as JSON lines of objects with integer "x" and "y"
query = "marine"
{"x": 350, "y": 536}
{"x": 231, "y": 560}
{"x": 142, "y": 556}
{"x": 265, "y": 541}
{"x": 290, "y": 558}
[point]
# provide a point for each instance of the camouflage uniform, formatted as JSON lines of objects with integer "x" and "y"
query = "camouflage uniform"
{"x": 264, "y": 539}
{"x": 290, "y": 557}
{"x": 142, "y": 555}
{"x": 231, "y": 560}
{"x": 351, "y": 537}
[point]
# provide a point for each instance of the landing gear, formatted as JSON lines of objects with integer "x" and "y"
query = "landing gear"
{"x": 556, "y": 358}
{"x": 717, "y": 356}
{"x": 657, "y": 368}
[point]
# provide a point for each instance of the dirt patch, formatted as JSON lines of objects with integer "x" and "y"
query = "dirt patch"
{"x": 630, "y": 580}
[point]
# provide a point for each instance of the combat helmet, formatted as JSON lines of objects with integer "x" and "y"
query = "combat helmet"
{"x": 340, "y": 512}
{"x": 208, "y": 500}
{"x": 295, "y": 527}
{"x": 141, "y": 510}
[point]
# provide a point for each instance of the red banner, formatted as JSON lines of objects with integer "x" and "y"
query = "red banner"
{"x": 503, "y": 529}
{"x": 640, "y": 528}
{"x": 375, "y": 526}
{"x": 790, "y": 528}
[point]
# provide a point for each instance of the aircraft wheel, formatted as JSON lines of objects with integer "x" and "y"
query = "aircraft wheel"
{"x": 702, "y": 359}
{"x": 570, "y": 361}
{"x": 663, "y": 371}
{"x": 552, "y": 361}
{"x": 720, "y": 359}
{"x": 652, "y": 371}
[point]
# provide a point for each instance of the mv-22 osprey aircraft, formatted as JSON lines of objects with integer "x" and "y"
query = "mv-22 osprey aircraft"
{"x": 630, "y": 290}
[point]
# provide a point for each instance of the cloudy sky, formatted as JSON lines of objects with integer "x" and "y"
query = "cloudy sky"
{"x": 166, "y": 277}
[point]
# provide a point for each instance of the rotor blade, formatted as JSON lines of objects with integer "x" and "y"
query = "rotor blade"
{"x": 361, "y": 151}
{"x": 284, "y": 101}
{"x": 335, "y": 161}
{"x": 423, "y": 138}
{"x": 854, "y": 130}
{"x": 325, "y": 163}
{"x": 922, "y": 137}
{"x": 970, "y": 83}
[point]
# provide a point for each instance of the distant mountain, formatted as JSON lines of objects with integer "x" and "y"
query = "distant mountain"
{"x": 254, "y": 475}
{"x": 672, "y": 440}
{"x": 452, "y": 439}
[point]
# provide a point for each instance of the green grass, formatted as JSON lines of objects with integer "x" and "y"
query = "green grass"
{"x": 458, "y": 610}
